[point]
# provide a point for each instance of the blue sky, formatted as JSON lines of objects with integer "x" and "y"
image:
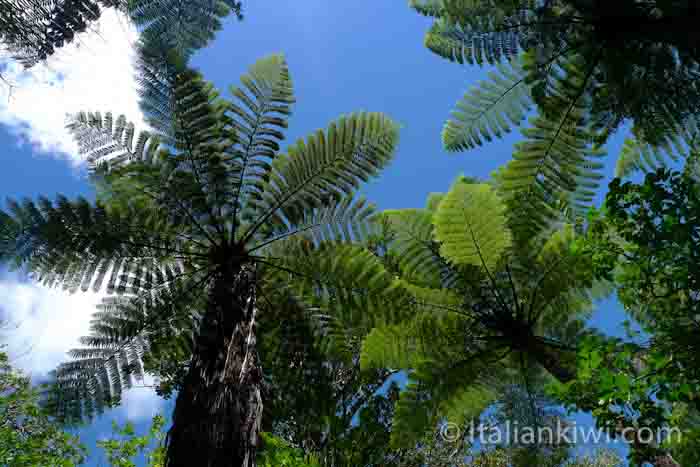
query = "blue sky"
{"x": 343, "y": 57}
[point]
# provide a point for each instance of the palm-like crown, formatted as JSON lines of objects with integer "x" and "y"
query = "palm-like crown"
{"x": 203, "y": 196}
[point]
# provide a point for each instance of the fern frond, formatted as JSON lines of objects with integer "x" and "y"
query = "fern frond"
{"x": 32, "y": 30}
{"x": 75, "y": 244}
{"x": 181, "y": 107}
{"x": 406, "y": 345}
{"x": 346, "y": 220}
{"x": 561, "y": 288}
{"x": 675, "y": 143}
{"x": 489, "y": 109}
{"x": 470, "y": 225}
{"x": 260, "y": 112}
{"x": 429, "y": 8}
{"x": 195, "y": 169}
{"x": 456, "y": 391}
{"x": 182, "y": 25}
{"x": 101, "y": 140}
{"x": 558, "y": 163}
{"x": 435, "y": 301}
{"x": 95, "y": 381}
{"x": 333, "y": 274}
{"x": 443, "y": 384}
{"x": 479, "y": 45}
{"x": 345, "y": 288}
{"x": 129, "y": 338}
{"x": 325, "y": 167}
{"x": 558, "y": 159}
{"x": 414, "y": 244}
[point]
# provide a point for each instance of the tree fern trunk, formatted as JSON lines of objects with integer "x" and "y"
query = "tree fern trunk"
{"x": 559, "y": 363}
{"x": 218, "y": 412}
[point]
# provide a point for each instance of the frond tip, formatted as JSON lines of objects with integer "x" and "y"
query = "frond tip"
{"x": 489, "y": 109}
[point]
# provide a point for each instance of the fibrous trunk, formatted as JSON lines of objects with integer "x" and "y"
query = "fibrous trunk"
{"x": 218, "y": 412}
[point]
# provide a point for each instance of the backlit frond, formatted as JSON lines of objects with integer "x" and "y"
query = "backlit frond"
{"x": 489, "y": 109}
{"x": 465, "y": 44}
{"x": 470, "y": 225}
{"x": 415, "y": 246}
{"x": 327, "y": 166}
{"x": 260, "y": 110}
{"x": 75, "y": 244}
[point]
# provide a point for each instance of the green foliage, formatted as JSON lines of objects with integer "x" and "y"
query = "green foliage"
{"x": 489, "y": 109}
{"x": 33, "y": 29}
{"x": 317, "y": 393}
{"x": 150, "y": 333}
{"x": 277, "y": 453}
{"x": 468, "y": 31}
{"x": 28, "y": 437}
{"x": 557, "y": 160}
{"x": 124, "y": 449}
{"x": 646, "y": 240}
{"x": 181, "y": 25}
{"x": 204, "y": 206}
{"x": 99, "y": 136}
{"x": 468, "y": 236}
{"x": 616, "y": 381}
{"x": 526, "y": 458}
{"x": 685, "y": 447}
{"x": 458, "y": 326}
{"x": 587, "y": 76}
{"x": 638, "y": 155}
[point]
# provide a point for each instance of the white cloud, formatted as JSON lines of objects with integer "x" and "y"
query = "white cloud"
{"x": 45, "y": 323}
{"x": 93, "y": 73}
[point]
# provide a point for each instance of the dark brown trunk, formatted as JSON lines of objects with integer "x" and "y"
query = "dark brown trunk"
{"x": 218, "y": 412}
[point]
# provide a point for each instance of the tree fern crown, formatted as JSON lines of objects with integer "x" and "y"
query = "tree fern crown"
{"x": 205, "y": 193}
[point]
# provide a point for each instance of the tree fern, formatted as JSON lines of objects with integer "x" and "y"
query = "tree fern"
{"x": 460, "y": 339}
{"x": 204, "y": 212}
{"x": 615, "y": 74}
